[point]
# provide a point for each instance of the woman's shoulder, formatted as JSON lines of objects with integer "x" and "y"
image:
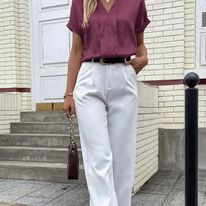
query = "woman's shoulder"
{"x": 77, "y": 4}
{"x": 78, "y": 1}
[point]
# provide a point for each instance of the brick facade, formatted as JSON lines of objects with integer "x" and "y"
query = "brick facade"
{"x": 170, "y": 40}
{"x": 15, "y": 60}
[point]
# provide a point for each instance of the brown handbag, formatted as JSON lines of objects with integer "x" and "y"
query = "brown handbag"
{"x": 73, "y": 158}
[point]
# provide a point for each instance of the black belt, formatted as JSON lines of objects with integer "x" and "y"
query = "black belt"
{"x": 109, "y": 59}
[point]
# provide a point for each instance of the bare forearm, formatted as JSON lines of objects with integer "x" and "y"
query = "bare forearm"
{"x": 142, "y": 52}
{"x": 74, "y": 63}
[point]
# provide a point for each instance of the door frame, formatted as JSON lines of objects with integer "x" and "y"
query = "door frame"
{"x": 33, "y": 4}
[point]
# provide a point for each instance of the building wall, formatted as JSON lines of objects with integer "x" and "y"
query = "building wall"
{"x": 147, "y": 144}
{"x": 15, "y": 75}
{"x": 164, "y": 39}
{"x": 170, "y": 39}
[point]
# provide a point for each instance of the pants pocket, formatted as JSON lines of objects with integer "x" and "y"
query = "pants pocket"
{"x": 84, "y": 66}
{"x": 130, "y": 80}
{"x": 85, "y": 79}
{"x": 133, "y": 70}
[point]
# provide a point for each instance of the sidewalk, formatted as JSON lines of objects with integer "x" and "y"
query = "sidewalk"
{"x": 165, "y": 188}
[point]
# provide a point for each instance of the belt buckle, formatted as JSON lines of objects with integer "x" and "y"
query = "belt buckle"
{"x": 102, "y": 60}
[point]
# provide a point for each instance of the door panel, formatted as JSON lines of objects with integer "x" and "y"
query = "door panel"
{"x": 51, "y": 42}
{"x": 53, "y": 3}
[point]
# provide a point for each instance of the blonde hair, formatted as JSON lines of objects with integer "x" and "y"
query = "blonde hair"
{"x": 89, "y": 7}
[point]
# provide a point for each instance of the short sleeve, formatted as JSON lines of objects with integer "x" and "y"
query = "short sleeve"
{"x": 142, "y": 19}
{"x": 74, "y": 23}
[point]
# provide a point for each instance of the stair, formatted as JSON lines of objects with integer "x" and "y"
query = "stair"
{"x": 36, "y": 148}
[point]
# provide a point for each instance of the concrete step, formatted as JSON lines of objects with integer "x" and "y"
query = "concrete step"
{"x": 37, "y": 140}
{"x": 37, "y": 148}
{"x": 54, "y": 172}
{"x": 36, "y": 154}
{"x": 45, "y": 116}
{"x": 42, "y": 127}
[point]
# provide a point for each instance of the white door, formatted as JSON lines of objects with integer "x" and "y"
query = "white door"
{"x": 50, "y": 44}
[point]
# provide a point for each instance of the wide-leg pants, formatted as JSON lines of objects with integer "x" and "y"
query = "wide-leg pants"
{"x": 106, "y": 102}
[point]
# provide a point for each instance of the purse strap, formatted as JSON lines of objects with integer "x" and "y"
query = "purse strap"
{"x": 71, "y": 128}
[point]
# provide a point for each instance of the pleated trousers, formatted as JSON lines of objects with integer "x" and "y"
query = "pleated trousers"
{"x": 106, "y": 103}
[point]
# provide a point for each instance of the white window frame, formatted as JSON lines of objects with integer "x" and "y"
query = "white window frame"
{"x": 203, "y": 49}
{"x": 200, "y": 34}
{"x": 200, "y": 68}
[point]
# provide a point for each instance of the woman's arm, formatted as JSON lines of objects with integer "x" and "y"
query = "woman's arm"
{"x": 74, "y": 62}
{"x": 141, "y": 49}
{"x": 141, "y": 59}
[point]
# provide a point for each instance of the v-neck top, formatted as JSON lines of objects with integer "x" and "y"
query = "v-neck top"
{"x": 110, "y": 33}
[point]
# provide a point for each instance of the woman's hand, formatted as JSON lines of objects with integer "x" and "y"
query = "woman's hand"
{"x": 69, "y": 106}
{"x": 138, "y": 63}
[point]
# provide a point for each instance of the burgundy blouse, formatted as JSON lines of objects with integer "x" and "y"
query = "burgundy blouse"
{"x": 110, "y": 34}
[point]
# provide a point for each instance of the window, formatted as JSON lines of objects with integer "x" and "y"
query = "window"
{"x": 203, "y": 37}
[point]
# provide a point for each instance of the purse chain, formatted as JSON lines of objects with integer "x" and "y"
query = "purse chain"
{"x": 71, "y": 128}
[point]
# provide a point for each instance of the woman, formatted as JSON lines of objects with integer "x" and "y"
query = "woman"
{"x": 102, "y": 91}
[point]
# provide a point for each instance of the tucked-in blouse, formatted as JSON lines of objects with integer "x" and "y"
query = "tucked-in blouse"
{"x": 110, "y": 33}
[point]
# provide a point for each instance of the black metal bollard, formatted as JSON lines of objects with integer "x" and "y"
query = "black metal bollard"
{"x": 191, "y": 139}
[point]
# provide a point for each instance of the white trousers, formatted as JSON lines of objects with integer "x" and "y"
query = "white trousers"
{"x": 106, "y": 104}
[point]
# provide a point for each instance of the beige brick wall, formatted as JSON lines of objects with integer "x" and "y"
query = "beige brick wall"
{"x": 190, "y": 35}
{"x": 170, "y": 42}
{"x": 202, "y": 106}
{"x": 14, "y": 60}
{"x": 10, "y": 107}
{"x": 164, "y": 39}
{"x": 147, "y": 134}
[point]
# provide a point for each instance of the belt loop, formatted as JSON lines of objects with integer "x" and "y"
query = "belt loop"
{"x": 92, "y": 60}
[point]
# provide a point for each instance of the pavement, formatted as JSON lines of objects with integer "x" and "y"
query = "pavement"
{"x": 165, "y": 188}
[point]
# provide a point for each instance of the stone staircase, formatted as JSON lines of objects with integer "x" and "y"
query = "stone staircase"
{"x": 36, "y": 148}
